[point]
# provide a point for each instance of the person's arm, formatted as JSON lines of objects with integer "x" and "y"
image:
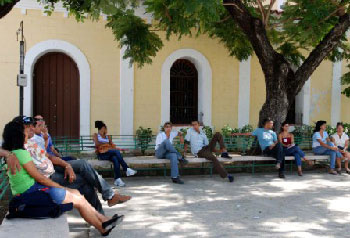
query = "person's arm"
{"x": 346, "y": 145}
{"x": 327, "y": 146}
{"x": 33, "y": 172}
{"x": 11, "y": 161}
{"x": 185, "y": 148}
{"x": 55, "y": 152}
{"x": 97, "y": 143}
{"x": 68, "y": 170}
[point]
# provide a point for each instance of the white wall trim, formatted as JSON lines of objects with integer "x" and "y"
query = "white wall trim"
{"x": 44, "y": 47}
{"x": 303, "y": 102}
{"x": 244, "y": 93}
{"x": 336, "y": 93}
{"x": 204, "y": 83}
{"x": 126, "y": 95}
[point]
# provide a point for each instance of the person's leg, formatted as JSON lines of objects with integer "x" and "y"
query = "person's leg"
{"x": 120, "y": 159}
{"x": 68, "y": 158}
{"x": 166, "y": 147}
{"x": 297, "y": 153}
{"x": 173, "y": 163}
{"x": 277, "y": 152}
{"x": 91, "y": 176}
{"x": 206, "y": 153}
{"x": 217, "y": 138}
{"x": 80, "y": 184}
{"x": 86, "y": 211}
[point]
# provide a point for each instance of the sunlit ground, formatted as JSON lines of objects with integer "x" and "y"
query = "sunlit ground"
{"x": 315, "y": 205}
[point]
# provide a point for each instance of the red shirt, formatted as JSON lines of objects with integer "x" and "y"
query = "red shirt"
{"x": 287, "y": 140}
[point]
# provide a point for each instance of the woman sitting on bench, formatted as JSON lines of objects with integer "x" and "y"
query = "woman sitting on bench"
{"x": 290, "y": 149}
{"x": 322, "y": 145}
{"x": 106, "y": 150}
{"x": 28, "y": 185}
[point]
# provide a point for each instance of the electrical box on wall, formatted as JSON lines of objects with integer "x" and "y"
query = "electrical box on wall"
{"x": 22, "y": 80}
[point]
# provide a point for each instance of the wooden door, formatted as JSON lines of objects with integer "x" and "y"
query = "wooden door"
{"x": 56, "y": 94}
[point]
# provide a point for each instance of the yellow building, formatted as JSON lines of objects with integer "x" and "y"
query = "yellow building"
{"x": 77, "y": 74}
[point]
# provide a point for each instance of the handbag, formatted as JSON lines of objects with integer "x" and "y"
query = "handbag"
{"x": 101, "y": 149}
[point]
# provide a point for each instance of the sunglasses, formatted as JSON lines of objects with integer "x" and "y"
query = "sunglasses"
{"x": 24, "y": 120}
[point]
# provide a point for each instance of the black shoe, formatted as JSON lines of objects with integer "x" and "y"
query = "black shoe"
{"x": 183, "y": 161}
{"x": 230, "y": 178}
{"x": 111, "y": 224}
{"x": 225, "y": 155}
{"x": 339, "y": 171}
{"x": 348, "y": 171}
{"x": 177, "y": 180}
{"x": 281, "y": 175}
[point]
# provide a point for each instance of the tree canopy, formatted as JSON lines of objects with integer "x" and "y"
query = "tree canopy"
{"x": 299, "y": 37}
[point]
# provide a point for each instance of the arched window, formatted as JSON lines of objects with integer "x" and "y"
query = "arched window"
{"x": 183, "y": 92}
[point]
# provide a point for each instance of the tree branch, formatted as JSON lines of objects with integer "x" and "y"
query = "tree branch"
{"x": 255, "y": 31}
{"x": 322, "y": 50}
{"x": 6, "y": 8}
{"x": 269, "y": 12}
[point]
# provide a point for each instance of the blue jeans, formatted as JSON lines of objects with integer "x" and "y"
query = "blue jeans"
{"x": 117, "y": 159}
{"x": 296, "y": 152}
{"x": 57, "y": 194}
{"x": 167, "y": 151}
{"x": 320, "y": 150}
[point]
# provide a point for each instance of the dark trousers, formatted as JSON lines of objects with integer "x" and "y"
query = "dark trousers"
{"x": 117, "y": 159}
{"x": 207, "y": 152}
{"x": 277, "y": 152}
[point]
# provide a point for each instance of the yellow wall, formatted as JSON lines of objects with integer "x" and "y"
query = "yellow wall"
{"x": 257, "y": 91}
{"x": 92, "y": 38}
{"x": 345, "y": 101}
{"x": 224, "y": 83}
{"x": 321, "y": 93}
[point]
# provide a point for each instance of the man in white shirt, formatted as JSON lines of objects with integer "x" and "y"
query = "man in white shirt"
{"x": 165, "y": 150}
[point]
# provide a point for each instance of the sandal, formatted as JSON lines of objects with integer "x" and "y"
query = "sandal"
{"x": 333, "y": 172}
{"x": 111, "y": 224}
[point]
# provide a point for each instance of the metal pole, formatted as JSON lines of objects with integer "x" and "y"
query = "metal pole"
{"x": 21, "y": 67}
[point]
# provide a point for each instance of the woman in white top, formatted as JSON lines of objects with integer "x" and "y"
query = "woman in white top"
{"x": 341, "y": 140}
{"x": 321, "y": 145}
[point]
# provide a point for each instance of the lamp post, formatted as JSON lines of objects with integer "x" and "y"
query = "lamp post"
{"x": 21, "y": 77}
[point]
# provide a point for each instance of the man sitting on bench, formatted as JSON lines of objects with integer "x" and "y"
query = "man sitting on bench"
{"x": 165, "y": 150}
{"x": 201, "y": 147}
{"x": 269, "y": 144}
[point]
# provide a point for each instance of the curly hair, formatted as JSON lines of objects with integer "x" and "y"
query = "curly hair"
{"x": 13, "y": 136}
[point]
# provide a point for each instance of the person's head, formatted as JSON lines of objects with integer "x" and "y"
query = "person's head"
{"x": 38, "y": 127}
{"x": 101, "y": 127}
{"x": 28, "y": 123}
{"x": 267, "y": 123}
{"x": 340, "y": 127}
{"x": 284, "y": 127}
{"x": 195, "y": 125}
{"x": 14, "y": 135}
{"x": 39, "y": 119}
{"x": 320, "y": 125}
{"x": 168, "y": 126}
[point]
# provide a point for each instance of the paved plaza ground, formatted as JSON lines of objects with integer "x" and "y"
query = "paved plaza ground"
{"x": 315, "y": 205}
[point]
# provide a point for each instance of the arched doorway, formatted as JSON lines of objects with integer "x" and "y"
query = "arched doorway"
{"x": 56, "y": 94}
{"x": 183, "y": 92}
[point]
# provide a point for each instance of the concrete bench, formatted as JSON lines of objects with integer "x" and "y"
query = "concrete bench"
{"x": 36, "y": 228}
{"x": 151, "y": 160}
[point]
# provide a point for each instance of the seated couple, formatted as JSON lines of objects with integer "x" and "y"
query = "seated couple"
{"x": 200, "y": 146}
{"x": 335, "y": 146}
{"x": 33, "y": 179}
{"x": 278, "y": 147}
{"x": 106, "y": 150}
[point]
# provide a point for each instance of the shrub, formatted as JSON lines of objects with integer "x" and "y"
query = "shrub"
{"x": 143, "y": 138}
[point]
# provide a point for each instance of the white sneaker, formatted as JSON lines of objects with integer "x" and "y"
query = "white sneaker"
{"x": 119, "y": 182}
{"x": 130, "y": 172}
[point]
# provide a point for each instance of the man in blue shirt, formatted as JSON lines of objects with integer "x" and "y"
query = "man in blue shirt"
{"x": 201, "y": 147}
{"x": 269, "y": 144}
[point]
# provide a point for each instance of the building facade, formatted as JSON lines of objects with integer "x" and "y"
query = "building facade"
{"x": 77, "y": 74}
